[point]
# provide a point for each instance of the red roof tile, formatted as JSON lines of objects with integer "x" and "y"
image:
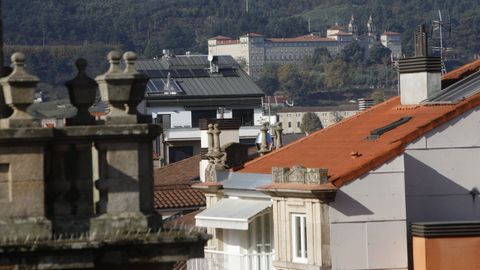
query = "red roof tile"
{"x": 220, "y": 38}
{"x": 389, "y": 33}
{"x": 173, "y": 185}
{"x": 460, "y": 73}
{"x": 178, "y": 197}
{"x": 181, "y": 172}
{"x": 305, "y": 38}
{"x": 333, "y": 147}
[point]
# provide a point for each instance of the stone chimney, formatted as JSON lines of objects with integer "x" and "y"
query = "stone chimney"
{"x": 215, "y": 134}
{"x": 420, "y": 76}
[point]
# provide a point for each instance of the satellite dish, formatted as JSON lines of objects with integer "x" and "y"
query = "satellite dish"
{"x": 210, "y": 57}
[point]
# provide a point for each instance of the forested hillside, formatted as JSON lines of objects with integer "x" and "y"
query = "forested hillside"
{"x": 45, "y": 27}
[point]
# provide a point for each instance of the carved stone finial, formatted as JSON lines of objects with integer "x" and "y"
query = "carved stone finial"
{"x": 210, "y": 144}
{"x": 278, "y": 136}
{"x": 19, "y": 93}
{"x": 264, "y": 149}
{"x": 82, "y": 91}
{"x": 115, "y": 90}
{"x": 114, "y": 58}
{"x": 139, "y": 85}
{"x": 217, "y": 153}
{"x": 130, "y": 58}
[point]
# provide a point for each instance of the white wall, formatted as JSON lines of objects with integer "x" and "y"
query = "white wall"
{"x": 368, "y": 221}
{"x": 179, "y": 116}
{"x": 442, "y": 169}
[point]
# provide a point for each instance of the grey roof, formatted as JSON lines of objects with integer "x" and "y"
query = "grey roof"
{"x": 244, "y": 181}
{"x": 457, "y": 91}
{"x": 52, "y": 109}
{"x": 191, "y": 73}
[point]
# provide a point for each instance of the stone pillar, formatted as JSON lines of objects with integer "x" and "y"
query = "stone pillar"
{"x": 278, "y": 136}
{"x": 115, "y": 89}
{"x": 22, "y": 189}
{"x": 19, "y": 93}
{"x": 140, "y": 80}
{"x": 82, "y": 91}
{"x": 126, "y": 187}
{"x": 264, "y": 149}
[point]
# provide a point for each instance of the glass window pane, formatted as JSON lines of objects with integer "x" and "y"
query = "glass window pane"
{"x": 298, "y": 237}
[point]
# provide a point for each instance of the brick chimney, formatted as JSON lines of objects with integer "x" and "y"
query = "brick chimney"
{"x": 420, "y": 76}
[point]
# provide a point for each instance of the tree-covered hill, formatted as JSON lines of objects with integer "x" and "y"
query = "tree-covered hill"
{"x": 89, "y": 28}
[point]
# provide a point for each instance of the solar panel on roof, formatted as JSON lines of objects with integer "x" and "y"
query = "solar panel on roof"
{"x": 184, "y": 73}
{"x": 173, "y": 73}
{"x": 200, "y": 73}
{"x": 162, "y": 86}
{"x": 154, "y": 73}
{"x": 229, "y": 73}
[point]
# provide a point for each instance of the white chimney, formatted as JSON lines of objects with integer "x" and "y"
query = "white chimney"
{"x": 420, "y": 76}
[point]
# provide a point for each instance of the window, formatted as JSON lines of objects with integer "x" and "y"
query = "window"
{"x": 299, "y": 238}
{"x": 289, "y": 124}
{"x": 298, "y": 124}
{"x": 178, "y": 153}
{"x": 202, "y": 114}
{"x": 245, "y": 116}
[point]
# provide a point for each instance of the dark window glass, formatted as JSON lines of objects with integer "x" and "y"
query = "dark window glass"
{"x": 202, "y": 114}
{"x": 180, "y": 152}
{"x": 245, "y": 116}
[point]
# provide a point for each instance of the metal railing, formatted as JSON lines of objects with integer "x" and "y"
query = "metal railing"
{"x": 220, "y": 260}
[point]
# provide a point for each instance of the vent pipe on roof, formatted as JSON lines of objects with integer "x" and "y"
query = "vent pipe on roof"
{"x": 420, "y": 76}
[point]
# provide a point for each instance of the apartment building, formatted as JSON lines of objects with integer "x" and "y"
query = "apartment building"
{"x": 254, "y": 50}
{"x": 186, "y": 88}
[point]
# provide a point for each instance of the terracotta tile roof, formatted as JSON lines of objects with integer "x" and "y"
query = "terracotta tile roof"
{"x": 220, "y": 38}
{"x": 187, "y": 220}
{"x": 343, "y": 148}
{"x": 178, "y": 197}
{"x": 305, "y": 38}
{"x": 173, "y": 185}
{"x": 460, "y": 73}
{"x": 181, "y": 172}
{"x": 389, "y": 33}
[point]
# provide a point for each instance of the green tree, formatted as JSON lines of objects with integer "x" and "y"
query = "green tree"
{"x": 353, "y": 53}
{"x": 290, "y": 81}
{"x": 268, "y": 82}
{"x": 336, "y": 74}
{"x": 380, "y": 54}
{"x": 310, "y": 123}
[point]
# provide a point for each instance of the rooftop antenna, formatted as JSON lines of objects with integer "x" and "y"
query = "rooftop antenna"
{"x": 441, "y": 28}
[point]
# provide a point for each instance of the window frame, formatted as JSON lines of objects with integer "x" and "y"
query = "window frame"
{"x": 303, "y": 258}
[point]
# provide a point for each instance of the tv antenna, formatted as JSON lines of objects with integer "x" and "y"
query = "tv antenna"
{"x": 441, "y": 28}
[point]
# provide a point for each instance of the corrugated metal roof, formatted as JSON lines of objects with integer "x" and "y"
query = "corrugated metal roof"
{"x": 458, "y": 91}
{"x": 229, "y": 81}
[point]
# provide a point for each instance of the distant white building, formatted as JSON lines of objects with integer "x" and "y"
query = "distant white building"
{"x": 291, "y": 117}
{"x": 393, "y": 41}
{"x": 254, "y": 50}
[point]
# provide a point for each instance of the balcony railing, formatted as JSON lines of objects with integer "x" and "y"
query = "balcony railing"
{"x": 220, "y": 260}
